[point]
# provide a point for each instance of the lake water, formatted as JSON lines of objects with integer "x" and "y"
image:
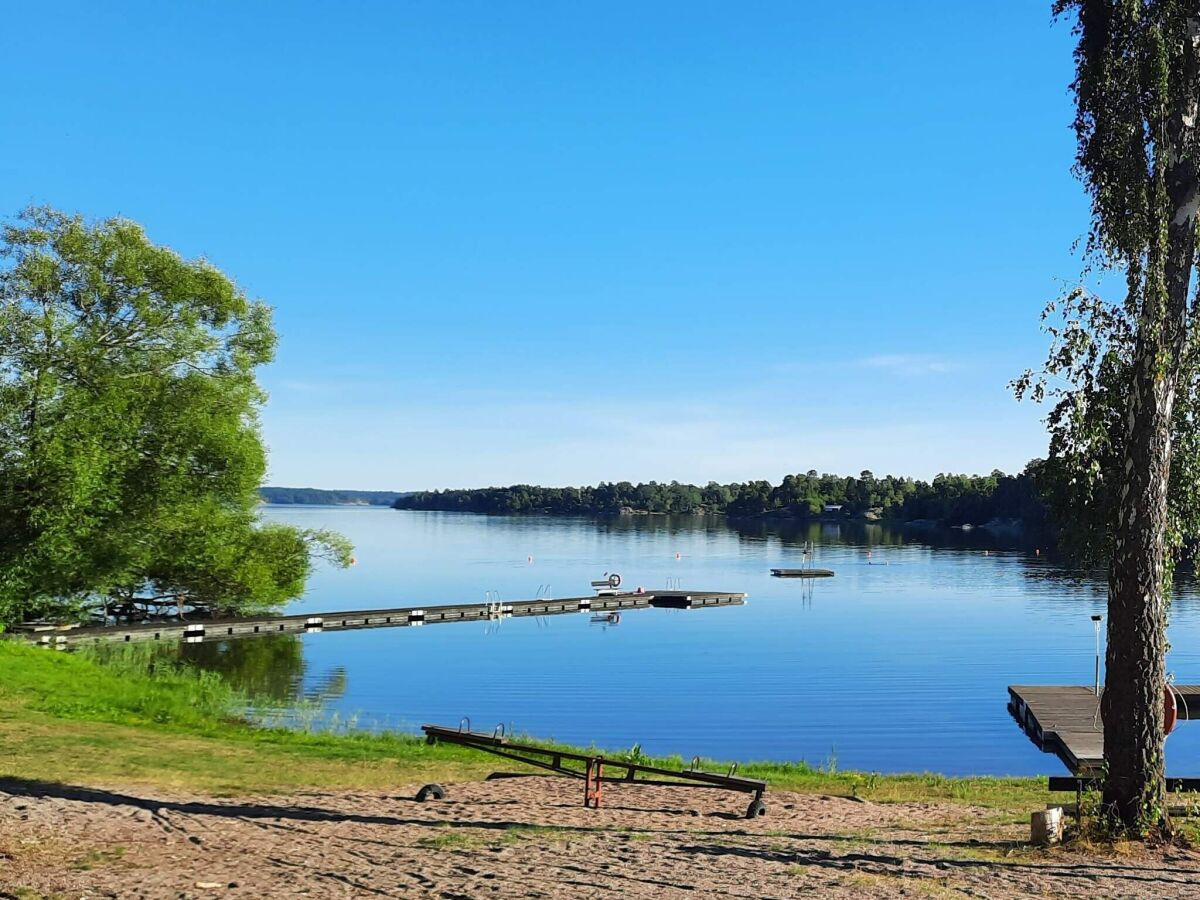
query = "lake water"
{"x": 899, "y": 663}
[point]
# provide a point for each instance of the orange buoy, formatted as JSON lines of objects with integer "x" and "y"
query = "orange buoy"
{"x": 354, "y": 560}
{"x": 1170, "y": 709}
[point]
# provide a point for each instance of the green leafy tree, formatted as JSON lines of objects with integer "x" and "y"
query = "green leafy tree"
{"x": 1123, "y": 453}
{"x": 130, "y": 453}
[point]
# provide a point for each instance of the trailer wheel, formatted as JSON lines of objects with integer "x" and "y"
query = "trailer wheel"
{"x": 755, "y": 809}
{"x": 436, "y": 791}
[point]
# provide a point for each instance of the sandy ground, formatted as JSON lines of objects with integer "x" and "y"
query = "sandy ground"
{"x": 531, "y": 837}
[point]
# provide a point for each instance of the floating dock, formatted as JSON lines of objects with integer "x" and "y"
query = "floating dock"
{"x": 802, "y": 573}
{"x": 200, "y": 630}
{"x": 1065, "y": 720}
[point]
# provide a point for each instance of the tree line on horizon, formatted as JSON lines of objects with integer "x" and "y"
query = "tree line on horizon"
{"x": 948, "y": 499}
{"x": 285, "y": 496}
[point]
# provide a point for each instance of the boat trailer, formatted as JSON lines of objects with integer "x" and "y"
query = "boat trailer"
{"x": 590, "y": 768}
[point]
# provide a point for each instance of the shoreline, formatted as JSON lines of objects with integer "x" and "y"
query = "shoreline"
{"x": 65, "y": 693}
{"x": 113, "y": 779}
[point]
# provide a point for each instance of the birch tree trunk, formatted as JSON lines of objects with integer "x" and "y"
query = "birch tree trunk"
{"x": 1132, "y": 705}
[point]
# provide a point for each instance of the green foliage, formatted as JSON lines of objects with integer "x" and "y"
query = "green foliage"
{"x": 1086, "y": 378}
{"x": 1130, "y": 88}
{"x": 1128, "y": 100}
{"x": 948, "y": 499}
{"x": 130, "y": 452}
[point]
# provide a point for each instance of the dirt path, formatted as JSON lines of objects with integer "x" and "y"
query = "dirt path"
{"x": 530, "y": 837}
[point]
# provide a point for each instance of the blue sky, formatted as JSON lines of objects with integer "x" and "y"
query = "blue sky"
{"x": 569, "y": 242}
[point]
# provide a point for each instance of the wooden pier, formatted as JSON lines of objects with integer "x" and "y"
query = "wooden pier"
{"x": 200, "y": 630}
{"x": 1065, "y": 720}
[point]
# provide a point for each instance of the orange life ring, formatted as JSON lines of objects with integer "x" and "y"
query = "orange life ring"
{"x": 1170, "y": 710}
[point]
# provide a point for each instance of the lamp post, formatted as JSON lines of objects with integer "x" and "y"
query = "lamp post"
{"x": 1096, "y": 625}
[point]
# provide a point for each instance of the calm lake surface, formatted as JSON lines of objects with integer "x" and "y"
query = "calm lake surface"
{"x": 899, "y": 663}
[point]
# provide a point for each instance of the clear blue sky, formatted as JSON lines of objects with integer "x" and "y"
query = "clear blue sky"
{"x": 570, "y": 242}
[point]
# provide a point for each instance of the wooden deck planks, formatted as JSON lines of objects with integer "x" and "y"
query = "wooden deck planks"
{"x": 1065, "y": 720}
{"x": 1061, "y": 719}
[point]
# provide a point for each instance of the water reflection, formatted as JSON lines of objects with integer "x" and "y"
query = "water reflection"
{"x": 271, "y": 670}
{"x": 869, "y": 535}
{"x": 899, "y": 663}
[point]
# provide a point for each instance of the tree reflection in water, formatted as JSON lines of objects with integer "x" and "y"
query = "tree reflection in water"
{"x": 270, "y": 671}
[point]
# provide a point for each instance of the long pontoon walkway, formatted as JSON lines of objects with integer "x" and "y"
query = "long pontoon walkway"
{"x": 223, "y": 629}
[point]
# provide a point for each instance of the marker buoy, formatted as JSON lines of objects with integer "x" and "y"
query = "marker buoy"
{"x": 529, "y": 559}
{"x": 1170, "y": 710}
{"x": 677, "y": 556}
{"x": 354, "y": 560}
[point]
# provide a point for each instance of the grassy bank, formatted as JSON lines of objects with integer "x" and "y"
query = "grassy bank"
{"x": 69, "y": 718}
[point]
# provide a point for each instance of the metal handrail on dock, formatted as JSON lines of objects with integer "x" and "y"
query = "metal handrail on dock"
{"x": 590, "y": 767}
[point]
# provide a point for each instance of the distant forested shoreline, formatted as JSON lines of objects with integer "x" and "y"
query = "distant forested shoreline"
{"x": 318, "y": 496}
{"x": 951, "y": 500}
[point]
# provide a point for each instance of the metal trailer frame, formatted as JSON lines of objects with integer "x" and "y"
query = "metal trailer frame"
{"x": 590, "y": 767}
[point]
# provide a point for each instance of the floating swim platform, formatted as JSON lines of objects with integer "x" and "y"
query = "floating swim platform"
{"x": 802, "y": 573}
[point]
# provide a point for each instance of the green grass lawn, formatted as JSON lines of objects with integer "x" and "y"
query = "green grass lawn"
{"x": 65, "y": 717}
